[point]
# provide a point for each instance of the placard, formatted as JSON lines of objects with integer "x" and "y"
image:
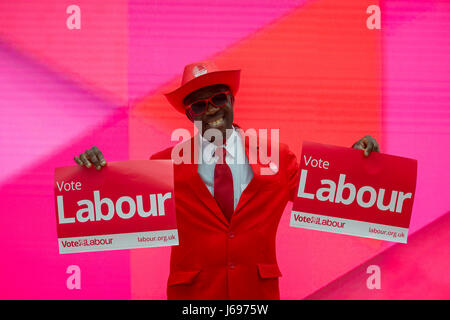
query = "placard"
{"x": 125, "y": 205}
{"x": 342, "y": 191}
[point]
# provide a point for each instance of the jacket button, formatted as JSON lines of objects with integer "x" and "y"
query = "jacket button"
{"x": 231, "y": 235}
{"x": 231, "y": 265}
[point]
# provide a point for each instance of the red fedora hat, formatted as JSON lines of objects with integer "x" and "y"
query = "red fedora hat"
{"x": 202, "y": 74}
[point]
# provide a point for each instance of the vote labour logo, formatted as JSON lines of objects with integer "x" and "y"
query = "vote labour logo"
{"x": 342, "y": 191}
{"x": 93, "y": 210}
{"x": 117, "y": 207}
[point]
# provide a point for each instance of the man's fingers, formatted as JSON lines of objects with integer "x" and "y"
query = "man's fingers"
{"x": 100, "y": 156}
{"x": 78, "y": 161}
{"x": 377, "y": 147}
{"x": 85, "y": 160}
{"x": 90, "y": 157}
{"x": 363, "y": 144}
{"x": 368, "y": 144}
{"x": 358, "y": 145}
{"x": 368, "y": 148}
{"x": 93, "y": 158}
{"x": 372, "y": 146}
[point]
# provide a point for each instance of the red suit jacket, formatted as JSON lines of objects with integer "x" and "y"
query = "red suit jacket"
{"x": 237, "y": 260}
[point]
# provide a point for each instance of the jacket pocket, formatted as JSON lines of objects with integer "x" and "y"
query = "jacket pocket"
{"x": 182, "y": 277}
{"x": 268, "y": 271}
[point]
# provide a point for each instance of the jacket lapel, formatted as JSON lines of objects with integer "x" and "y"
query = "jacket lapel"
{"x": 252, "y": 153}
{"x": 201, "y": 191}
{"x": 251, "y": 190}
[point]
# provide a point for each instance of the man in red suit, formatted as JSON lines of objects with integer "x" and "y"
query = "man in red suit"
{"x": 228, "y": 199}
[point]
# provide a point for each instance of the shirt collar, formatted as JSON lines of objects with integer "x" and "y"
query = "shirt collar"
{"x": 209, "y": 148}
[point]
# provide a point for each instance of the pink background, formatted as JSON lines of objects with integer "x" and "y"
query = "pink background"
{"x": 310, "y": 68}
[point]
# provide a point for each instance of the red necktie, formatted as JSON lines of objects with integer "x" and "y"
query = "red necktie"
{"x": 223, "y": 184}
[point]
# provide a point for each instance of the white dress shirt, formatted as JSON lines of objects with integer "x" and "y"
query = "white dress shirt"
{"x": 235, "y": 158}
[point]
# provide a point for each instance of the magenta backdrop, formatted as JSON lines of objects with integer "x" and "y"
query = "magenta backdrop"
{"x": 62, "y": 91}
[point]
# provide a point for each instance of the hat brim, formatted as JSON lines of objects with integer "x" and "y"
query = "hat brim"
{"x": 229, "y": 77}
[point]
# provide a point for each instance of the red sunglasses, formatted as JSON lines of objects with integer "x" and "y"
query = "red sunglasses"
{"x": 199, "y": 107}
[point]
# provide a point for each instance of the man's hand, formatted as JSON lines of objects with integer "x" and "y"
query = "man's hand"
{"x": 90, "y": 157}
{"x": 368, "y": 144}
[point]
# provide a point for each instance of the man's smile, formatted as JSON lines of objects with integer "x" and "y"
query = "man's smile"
{"x": 216, "y": 122}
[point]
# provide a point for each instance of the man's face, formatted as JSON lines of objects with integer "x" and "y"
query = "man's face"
{"x": 220, "y": 118}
